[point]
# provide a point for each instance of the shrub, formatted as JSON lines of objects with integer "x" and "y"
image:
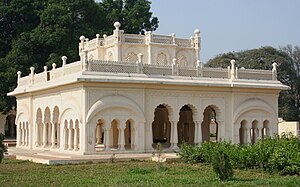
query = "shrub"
{"x": 190, "y": 154}
{"x": 222, "y": 166}
{"x": 2, "y": 147}
{"x": 278, "y": 154}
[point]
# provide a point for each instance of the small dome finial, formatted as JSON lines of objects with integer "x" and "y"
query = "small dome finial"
{"x": 196, "y": 31}
{"x": 117, "y": 25}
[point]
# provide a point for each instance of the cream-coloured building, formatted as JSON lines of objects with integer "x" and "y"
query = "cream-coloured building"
{"x": 130, "y": 91}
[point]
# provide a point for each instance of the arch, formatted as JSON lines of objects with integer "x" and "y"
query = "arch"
{"x": 210, "y": 123}
{"x": 254, "y": 104}
{"x": 114, "y": 131}
{"x": 10, "y": 126}
{"x": 183, "y": 58}
{"x": 129, "y": 131}
{"x": 21, "y": 110}
{"x": 243, "y": 131}
{"x": 55, "y": 115}
{"x": 47, "y": 115}
{"x": 162, "y": 59}
{"x": 131, "y": 57}
{"x": 266, "y": 129}
{"x": 254, "y": 131}
{"x": 161, "y": 126}
{"x": 186, "y": 125}
{"x": 115, "y": 101}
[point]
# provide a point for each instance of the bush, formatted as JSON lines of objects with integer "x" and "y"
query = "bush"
{"x": 190, "y": 154}
{"x": 2, "y": 147}
{"x": 278, "y": 154}
{"x": 222, "y": 166}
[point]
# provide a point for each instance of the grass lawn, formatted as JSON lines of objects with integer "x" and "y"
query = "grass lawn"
{"x": 130, "y": 173}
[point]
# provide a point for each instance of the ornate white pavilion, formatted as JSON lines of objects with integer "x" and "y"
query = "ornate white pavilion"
{"x": 129, "y": 92}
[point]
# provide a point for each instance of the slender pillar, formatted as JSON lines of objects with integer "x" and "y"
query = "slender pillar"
{"x": 172, "y": 135}
{"x": 53, "y": 140}
{"x": 70, "y": 139}
{"x": 98, "y": 134}
{"x": 45, "y": 135}
{"x": 37, "y": 134}
{"x": 248, "y": 135}
{"x": 27, "y": 134}
{"x": 107, "y": 139}
{"x": 175, "y": 136}
{"x": 122, "y": 138}
{"x": 76, "y": 139}
{"x": 58, "y": 134}
{"x": 19, "y": 135}
{"x": 24, "y": 135}
{"x": 196, "y": 133}
{"x": 136, "y": 138}
{"x": 199, "y": 132}
{"x": 66, "y": 138}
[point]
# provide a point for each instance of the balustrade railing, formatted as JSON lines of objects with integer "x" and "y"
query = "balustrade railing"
{"x": 148, "y": 69}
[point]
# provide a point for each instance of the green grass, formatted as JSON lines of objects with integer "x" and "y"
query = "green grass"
{"x": 130, "y": 173}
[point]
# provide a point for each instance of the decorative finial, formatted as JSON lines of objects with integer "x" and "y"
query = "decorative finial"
{"x": 197, "y": 31}
{"x": 117, "y": 25}
{"x": 82, "y": 38}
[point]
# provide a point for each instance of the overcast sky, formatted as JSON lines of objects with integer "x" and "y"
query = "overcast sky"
{"x": 230, "y": 25}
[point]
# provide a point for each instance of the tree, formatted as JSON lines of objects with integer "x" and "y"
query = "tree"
{"x": 38, "y": 33}
{"x": 134, "y": 15}
{"x": 288, "y": 62}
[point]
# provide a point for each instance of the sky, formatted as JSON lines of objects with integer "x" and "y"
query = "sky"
{"x": 230, "y": 25}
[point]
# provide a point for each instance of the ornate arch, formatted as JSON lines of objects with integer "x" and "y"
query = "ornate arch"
{"x": 254, "y": 104}
{"x": 114, "y": 101}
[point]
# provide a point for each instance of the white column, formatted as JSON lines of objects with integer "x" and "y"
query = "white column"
{"x": 70, "y": 139}
{"x": 27, "y": 134}
{"x": 175, "y": 135}
{"x": 122, "y": 138}
{"x": 37, "y": 135}
{"x": 136, "y": 138}
{"x": 76, "y": 139}
{"x": 199, "y": 133}
{"x": 44, "y": 135}
{"x": 53, "y": 141}
{"x": 19, "y": 135}
{"x": 248, "y": 135}
{"x": 196, "y": 133}
{"x": 107, "y": 138}
{"x": 172, "y": 135}
{"x": 66, "y": 138}
{"x": 98, "y": 134}
{"x": 23, "y": 134}
{"x": 58, "y": 135}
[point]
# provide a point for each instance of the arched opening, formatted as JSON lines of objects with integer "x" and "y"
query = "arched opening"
{"x": 128, "y": 134}
{"x": 161, "y": 126}
{"x": 10, "y": 127}
{"x": 242, "y": 132}
{"x": 209, "y": 126}
{"x": 162, "y": 59}
{"x": 266, "y": 129}
{"x": 186, "y": 126}
{"x": 47, "y": 128}
{"x": 114, "y": 132}
{"x": 254, "y": 132}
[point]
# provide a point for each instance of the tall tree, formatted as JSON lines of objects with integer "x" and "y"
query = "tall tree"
{"x": 134, "y": 15}
{"x": 287, "y": 59}
{"x": 38, "y": 33}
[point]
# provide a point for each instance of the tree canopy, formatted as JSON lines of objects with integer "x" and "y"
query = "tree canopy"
{"x": 288, "y": 60}
{"x": 38, "y": 33}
